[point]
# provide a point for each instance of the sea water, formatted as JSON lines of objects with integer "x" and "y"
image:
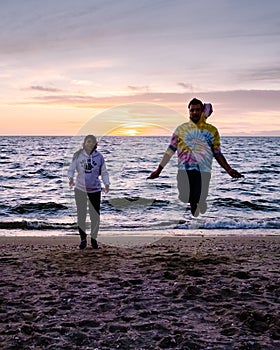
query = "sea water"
{"x": 34, "y": 191}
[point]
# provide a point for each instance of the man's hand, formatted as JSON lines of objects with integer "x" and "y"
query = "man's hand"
{"x": 224, "y": 164}
{"x": 155, "y": 173}
{"x": 235, "y": 174}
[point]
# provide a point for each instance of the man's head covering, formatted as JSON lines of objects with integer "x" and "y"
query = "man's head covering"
{"x": 208, "y": 109}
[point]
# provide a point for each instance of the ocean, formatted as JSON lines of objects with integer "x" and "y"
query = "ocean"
{"x": 34, "y": 191}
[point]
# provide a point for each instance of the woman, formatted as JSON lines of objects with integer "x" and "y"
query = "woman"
{"x": 89, "y": 165}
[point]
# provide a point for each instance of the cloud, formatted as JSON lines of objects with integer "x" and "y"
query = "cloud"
{"x": 271, "y": 73}
{"x": 242, "y": 112}
{"x": 42, "y": 88}
{"x": 32, "y": 27}
{"x": 234, "y": 102}
{"x": 138, "y": 88}
{"x": 187, "y": 86}
{"x": 64, "y": 99}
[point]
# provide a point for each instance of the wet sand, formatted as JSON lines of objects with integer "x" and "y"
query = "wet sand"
{"x": 175, "y": 293}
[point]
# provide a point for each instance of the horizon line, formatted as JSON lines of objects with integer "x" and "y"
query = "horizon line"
{"x": 134, "y": 136}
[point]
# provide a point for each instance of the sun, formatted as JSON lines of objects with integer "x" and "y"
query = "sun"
{"x": 131, "y": 132}
{"x": 126, "y": 131}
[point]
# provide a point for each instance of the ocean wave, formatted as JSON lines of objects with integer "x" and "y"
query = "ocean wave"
{"x": 256, "y": 205}
{"x": 189, "y": 224}
{"x": 136, "y": 202}
{"x": 15, "y": 165}
{"x": 230, "y": 224}
{"x": 35, "y": 225}
{"x": 269, "y": 170}
{"x": 56, "y": 163}
{"x": 43, "y": 173}
{"x": 38, "y": 207}
{"x": 10, "y": 177}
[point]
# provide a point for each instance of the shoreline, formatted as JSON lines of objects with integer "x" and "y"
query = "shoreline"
{"x": 154, "y": 232}
{"x": 128, "y": 238}
{"x": 132, "y": 241}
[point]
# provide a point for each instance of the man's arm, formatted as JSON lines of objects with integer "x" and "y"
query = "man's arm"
{"x": 165, "y": 159}
{"x": 224, "y": 164}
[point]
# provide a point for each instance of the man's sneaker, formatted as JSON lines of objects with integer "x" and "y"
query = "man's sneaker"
{"x": 202, "y": 207}
{"x": 194, "y": 210}
{"x": 83, "y": 244}
{"x": 94, "y": 243}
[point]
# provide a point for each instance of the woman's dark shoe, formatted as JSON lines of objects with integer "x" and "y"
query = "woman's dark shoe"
{"x": 83, "y": 244}
{"x": 94, "y": 243}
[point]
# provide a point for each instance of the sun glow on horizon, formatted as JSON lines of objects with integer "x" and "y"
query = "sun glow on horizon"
{"x": 132, "y": 132}
{"x": 139, "y": 130}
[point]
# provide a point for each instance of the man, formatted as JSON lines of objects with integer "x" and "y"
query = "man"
{"x": 196, "y": 143}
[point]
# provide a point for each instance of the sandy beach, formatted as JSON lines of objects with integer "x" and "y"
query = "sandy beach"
{"x": 174, "y": 293}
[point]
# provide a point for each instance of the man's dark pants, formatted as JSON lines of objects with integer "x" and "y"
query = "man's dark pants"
{"x": 193, "y": 186}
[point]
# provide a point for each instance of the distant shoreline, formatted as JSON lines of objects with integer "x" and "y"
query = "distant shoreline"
{"x": 136, "y": 136}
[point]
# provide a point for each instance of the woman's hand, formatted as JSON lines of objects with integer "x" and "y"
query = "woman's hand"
{"x": 106, "y": 189}
{"x": 71, "y": 182}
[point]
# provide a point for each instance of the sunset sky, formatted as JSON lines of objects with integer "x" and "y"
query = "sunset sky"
{"x": 129, "y": 67}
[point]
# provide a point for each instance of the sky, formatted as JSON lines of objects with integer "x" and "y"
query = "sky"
{"x": 130, "y": 67}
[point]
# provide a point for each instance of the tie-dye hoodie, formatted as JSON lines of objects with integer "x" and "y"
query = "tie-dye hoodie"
{"x": 196, "y": 145}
